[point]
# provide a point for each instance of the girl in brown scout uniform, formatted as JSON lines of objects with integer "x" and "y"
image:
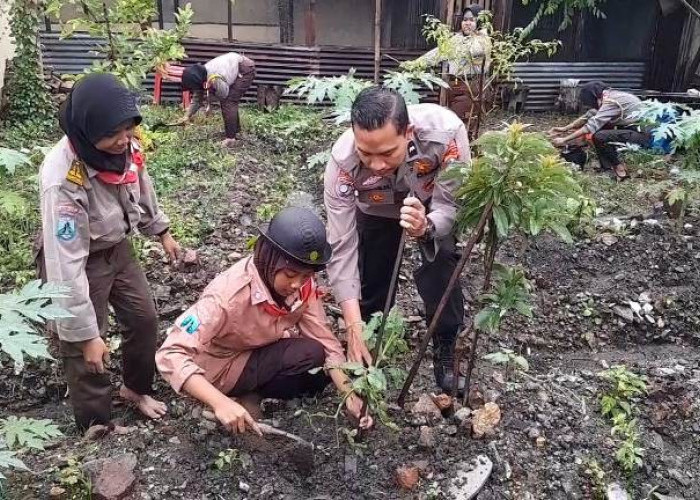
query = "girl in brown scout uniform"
{"x": 259, "y": 329}
{"x": 94, "y": 193}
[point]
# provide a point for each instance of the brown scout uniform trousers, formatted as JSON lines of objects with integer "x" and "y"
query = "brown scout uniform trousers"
{"x": 229, "y": 106}
{"x": 115, "y": 278}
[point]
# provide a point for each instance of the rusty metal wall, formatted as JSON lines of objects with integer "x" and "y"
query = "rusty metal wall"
{"x": 276, "y": 64}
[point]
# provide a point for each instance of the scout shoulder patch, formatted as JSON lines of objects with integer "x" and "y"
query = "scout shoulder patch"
{"x": 190, "y": 324}
{"x": 65, "y": 223}
{"x": 76, "y": 173}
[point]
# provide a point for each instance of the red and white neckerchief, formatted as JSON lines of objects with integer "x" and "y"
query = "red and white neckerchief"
{"x": 305, "y": 292}
{"x": 131, "y": 174}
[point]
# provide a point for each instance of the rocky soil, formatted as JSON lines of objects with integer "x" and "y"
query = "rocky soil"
{"x": 541, "y": 431}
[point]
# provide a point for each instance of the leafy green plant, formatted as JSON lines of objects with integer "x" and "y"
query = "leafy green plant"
{"x": 511, "y": 292}
{"x": 565, "y": 7}
{"x": 517, "y": 183}
{"x": 506, "y": 49}
{"x": 371, "y": 383}
{"x": 75, "y": 480}
{"x": 28, "y": 97}
{"x": 131, "y": 48}
{"x": 20, "y": 312}
{"x": 287, "y": 129}
{"x": 226, "y": 459}
{"x": 618, "y": 404}
{"x": 508, "y": 357}
{"x": 342, "y": 90}
{"x": 597, "y": 476}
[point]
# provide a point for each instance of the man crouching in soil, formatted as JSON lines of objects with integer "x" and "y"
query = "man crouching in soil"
{"x": 383, "y": 176}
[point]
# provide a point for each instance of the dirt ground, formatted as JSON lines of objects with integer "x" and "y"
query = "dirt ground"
{"x": 551, "y": 429}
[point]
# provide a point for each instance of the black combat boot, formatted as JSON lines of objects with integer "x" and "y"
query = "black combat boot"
{"x": 443, "y": 366}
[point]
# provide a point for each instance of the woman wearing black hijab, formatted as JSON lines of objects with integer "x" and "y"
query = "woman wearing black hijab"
{"x": 470, "y": 49}
{"x": 95, "y": 193}
{"x": 611, "y": 119}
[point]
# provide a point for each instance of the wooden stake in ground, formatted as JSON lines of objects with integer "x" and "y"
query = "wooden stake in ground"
{"x": 476, "y": 233}
{"x": 385, "y": 315}
{"x": 377, "y": 39}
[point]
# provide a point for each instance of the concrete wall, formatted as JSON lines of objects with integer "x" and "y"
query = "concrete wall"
{"x": 7, "y": 47}
{"x": 338, "y": 22}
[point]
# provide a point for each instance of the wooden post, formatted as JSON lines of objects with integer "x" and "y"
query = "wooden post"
{"x": 310, "y": 24}
{"x": 160, "y": 14}
{"x": 229, "y": 19}
{"x": 449, "y": 21}
{"x": 377, "y": 39}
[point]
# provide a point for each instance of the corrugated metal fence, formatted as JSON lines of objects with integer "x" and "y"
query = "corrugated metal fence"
{"x": 276, "y": 64}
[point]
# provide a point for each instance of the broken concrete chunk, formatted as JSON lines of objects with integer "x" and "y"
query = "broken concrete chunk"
{"x": 470, "y": 478}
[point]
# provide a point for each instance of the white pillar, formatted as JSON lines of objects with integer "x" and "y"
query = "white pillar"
{"x": 7, "y": 46}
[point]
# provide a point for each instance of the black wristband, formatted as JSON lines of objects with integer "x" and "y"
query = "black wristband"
{"x": 163, "y": 232}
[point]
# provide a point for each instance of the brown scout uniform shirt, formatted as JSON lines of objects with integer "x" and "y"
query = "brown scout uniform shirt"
{"x": 80, "y": 215}
{"x": 216, "y": 336}
{"x": 619, "y": 109}
{"x": 439, "y": 137}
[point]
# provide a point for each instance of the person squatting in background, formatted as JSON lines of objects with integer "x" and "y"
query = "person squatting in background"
{"x": 259, "y": 329}
{"x": 95, "y": 192}
{"x": 612, "y": 119}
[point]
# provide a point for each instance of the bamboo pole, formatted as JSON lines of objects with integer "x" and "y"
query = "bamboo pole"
{"x": 449, "y": 21}
{"x": 476, "y": 233}
{"x": 377, "y": 39}
{"x": 310, "y": 24}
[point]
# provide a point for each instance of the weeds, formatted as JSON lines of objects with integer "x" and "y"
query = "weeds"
{"x": 227, "y": 459}
{"x": 618, "y": 404}
{"x": 73, "y": 478}
{"x": 597, "y": 476}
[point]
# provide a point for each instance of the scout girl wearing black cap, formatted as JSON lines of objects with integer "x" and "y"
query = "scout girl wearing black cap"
{"x": 259, "y": 329}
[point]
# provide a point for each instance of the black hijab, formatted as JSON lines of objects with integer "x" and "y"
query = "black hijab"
{"x": 475, "y": 9}
{"x": 591, "y": 92}
{"x": 95, "y": 108}
{"x": 269, "y": 261}
{"x": 193, "y": 77}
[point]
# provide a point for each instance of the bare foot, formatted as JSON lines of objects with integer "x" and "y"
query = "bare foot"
{"x": 150, "y": 407}
{"x": 228, "y": 143}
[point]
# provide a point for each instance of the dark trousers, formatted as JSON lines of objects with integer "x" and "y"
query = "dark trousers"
{"x": 606, "y": 142}
{"x": 115, "y": 278}
{"x": 229, "y": 106}
{"x": 281, "y": 370}
{"x": 379, "y": 239}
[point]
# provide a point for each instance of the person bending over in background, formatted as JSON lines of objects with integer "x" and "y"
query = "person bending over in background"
{"x": 612, "y": 119}
{"x": 95, "y": 192}
{"x": 226, "y": 77}
{"x": 259, "y": 329}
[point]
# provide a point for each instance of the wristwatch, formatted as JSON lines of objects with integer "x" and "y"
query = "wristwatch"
{"x": 429, "y": 232}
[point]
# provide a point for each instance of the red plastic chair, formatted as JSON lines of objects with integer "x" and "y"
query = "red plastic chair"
{"x": 170, "y": 73}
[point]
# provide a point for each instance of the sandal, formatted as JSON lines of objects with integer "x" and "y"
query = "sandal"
{"x": 621, "y": 176}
